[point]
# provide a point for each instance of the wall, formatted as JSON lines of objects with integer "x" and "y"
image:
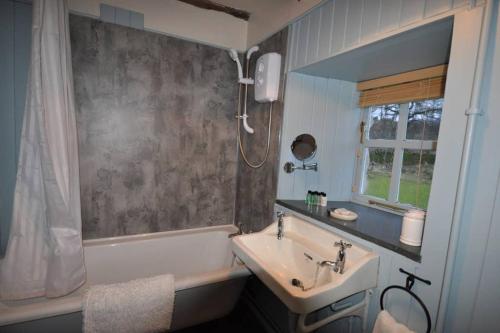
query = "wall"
{"x": 257, "y": 187}
{"x": 206, "y": 26}
{"x": 178, "y": 19}
{"x": 155, "y": 119}
{"x": 338, "y": 26}
{"x": 15, "y": 38}
{"x": 326, "y": 109}
{"x": 268, "y": 17}
{"x": 475, "y": 289}
{"x": 463, "y": 56}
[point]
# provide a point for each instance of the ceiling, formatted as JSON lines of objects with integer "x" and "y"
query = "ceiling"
{"x": 269, "y": 16}
{"x": 254, "y": 5}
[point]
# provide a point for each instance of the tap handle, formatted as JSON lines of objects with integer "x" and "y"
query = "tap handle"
{"x": 280, "y": 214}
{"x": 343, "y": 245}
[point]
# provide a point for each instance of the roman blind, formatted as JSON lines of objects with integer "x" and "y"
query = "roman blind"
{"x": 426, "y": 83}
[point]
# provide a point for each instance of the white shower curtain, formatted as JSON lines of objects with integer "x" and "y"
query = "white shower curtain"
{"x": 44, "y": 255}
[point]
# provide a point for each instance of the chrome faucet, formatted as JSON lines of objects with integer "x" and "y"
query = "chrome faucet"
{"x": 237, "y": 233}
{"x": 329, "y": 263}
{"x": 337, "y": 265}
{"x": 280, "y": 216}
{"x": 341, "y": 255}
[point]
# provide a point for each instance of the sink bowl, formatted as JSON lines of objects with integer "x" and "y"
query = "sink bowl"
{"x": 296, "y": 256}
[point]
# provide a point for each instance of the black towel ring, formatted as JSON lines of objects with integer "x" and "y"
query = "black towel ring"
{"x": 409, "y": 284}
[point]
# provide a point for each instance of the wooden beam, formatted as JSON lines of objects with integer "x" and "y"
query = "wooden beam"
{"x": 210, "y": 5}
{"x": 418, "y": 74}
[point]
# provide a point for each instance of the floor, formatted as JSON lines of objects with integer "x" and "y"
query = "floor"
{"x": 226, "y": 324}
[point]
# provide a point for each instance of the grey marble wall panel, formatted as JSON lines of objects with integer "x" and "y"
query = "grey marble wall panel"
{"x": 155, "y": 119}
{"x": 256, "y": 190}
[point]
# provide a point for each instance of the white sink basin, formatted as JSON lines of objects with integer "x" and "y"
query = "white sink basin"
{"x": 277, "y": 262}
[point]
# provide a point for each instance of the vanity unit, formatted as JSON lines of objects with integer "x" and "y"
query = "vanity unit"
{"x": 309, "y": 269}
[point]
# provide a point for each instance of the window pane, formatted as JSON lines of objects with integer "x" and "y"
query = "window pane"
{"x": 415, "y": 184}
{"x": 384, "y": 121}
{"x": 424, "y": 118}
{"x": 378, "y": 173}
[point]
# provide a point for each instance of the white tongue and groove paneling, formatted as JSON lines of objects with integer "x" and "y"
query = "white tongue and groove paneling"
{"x": 411, "y": 12}
{"x": 313, "y": 35}
{"x": 371, "y": 18}
{"x": 353, "y": 27}
{"x": 302, "y": 41}
{"x": 326, "y": 109}
{"x": 340, "y": 25}
{"x": 325, "y": 30}
{"x": 390, "y": 12}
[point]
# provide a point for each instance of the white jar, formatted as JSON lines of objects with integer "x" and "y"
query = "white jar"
{"x": 413, "y": 227}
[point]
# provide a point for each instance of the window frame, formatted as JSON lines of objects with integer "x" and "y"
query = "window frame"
{"x": 399, "y": 144}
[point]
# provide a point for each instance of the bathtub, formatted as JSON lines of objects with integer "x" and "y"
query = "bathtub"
{"x": 208, "y": 277}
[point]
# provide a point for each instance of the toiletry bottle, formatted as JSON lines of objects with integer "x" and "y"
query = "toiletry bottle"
{"x": 308, "y": 198}
{"x": 323, "y": 200}
{"x": 316, "y": 198}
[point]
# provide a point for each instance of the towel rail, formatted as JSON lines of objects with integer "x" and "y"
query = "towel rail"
{"x": 410, "y": 281}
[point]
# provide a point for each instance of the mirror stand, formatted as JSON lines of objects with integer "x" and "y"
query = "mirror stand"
{"x": 303, "y": 148}
{"x": 289, "y": 167}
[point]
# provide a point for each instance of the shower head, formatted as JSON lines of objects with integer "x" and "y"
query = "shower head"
{"x": 252, "y": 50}
{"x": 233, "y": 54}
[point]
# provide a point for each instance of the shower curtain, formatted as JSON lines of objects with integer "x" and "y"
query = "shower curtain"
{"x": 44, "y": 255}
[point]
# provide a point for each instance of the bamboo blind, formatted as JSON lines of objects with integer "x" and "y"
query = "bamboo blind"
{"x": 427, "y": 83}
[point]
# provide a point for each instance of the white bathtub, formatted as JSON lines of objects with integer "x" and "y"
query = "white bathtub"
{"x": 208, "y": 279}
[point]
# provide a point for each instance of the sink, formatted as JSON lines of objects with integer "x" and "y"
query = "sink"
{"x": 277, "y": 262}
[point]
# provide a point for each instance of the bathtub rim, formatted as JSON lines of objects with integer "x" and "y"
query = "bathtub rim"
{"x": 229, "y": 228}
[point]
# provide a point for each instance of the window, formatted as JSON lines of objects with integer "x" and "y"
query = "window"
{"x": 397, "y": 153}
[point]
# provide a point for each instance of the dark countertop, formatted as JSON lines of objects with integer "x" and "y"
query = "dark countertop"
{"x": 374, "y": 225}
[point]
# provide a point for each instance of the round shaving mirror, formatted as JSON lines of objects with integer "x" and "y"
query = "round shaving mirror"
{"x": 304, "y": 147}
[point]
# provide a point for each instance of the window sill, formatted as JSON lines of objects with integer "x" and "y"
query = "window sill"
{"x": 380, "y": 204}
{"x": 374, "y": 225}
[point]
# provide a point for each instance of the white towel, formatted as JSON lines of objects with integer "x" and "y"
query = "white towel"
{"x": 344, "y": 212}
{"x": 386, "y": 324}
{"x": 138, "y": 306}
